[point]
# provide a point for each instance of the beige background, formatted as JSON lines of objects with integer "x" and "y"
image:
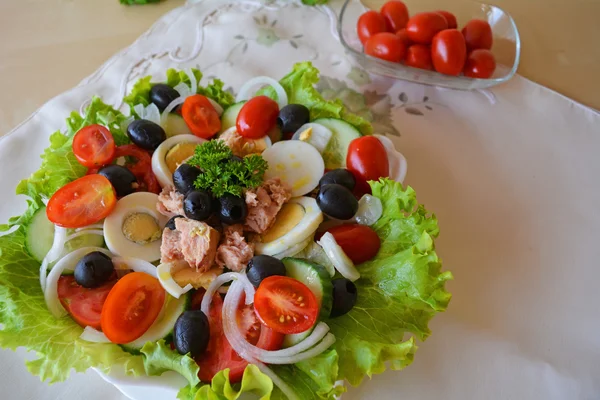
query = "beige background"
{"x": 48, "y": 46}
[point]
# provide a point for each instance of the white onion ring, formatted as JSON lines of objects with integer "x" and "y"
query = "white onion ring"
{"x": 315, "y": 337}
{"x": 369, "y": 211}
{"x": 86, "y": 232}
{"x": 193, "y": 82}
{"x": 93, "y": 226}
{"x": 168, "y": 283}
{"x": 183, "y": 90}
{"x": 92, "y": 335}
{"x": 134, "y": 264}
{"x": 216, "y": 105}
{"x": 220, "y": 281}
{"x": 327, "y": 341}
{"x": 397, "y": 162}
{"x": 340, "y": 260}
{"x": 169, "y": 108}
{"x": 245, "y": 92}
{"x": 68, "y": 262}
{"x": 58, "y": 245}
{"x": 43, "y": 273}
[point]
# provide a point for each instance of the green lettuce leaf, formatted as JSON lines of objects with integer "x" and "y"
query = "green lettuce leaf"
{"x": 140, "y": 93}
{"x": 159, "y": 358}
{"x": 299, "y": 85}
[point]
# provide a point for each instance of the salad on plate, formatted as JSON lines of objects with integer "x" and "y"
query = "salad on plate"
{"x": 262, "y": 244}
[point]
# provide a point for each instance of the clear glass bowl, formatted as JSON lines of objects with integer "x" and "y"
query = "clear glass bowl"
{"x": 506, "y": 47}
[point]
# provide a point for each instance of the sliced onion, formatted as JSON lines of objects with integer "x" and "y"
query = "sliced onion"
{"x": 369, "y": 210}
{"x": 246, "y": 91}
{"x": 94, "y": 336}
{"x": 58, "y": 245}
{"x": 169, "y": 108}
{"x": 93, "y": 226}
{"x": 319, "y": 138}
{"x": 134, "y": 264}
{"x": 87, "y": 232}
{"x": 397, "y": 162}
{"x": 193, "y": 82}
{"x": 340, "y": 260}
{"x": 183, "y": 89}
{"x": 165, "y": 278}
{"x": 149, "y": 113}
{"x": 295, "y": 249}
{"x": 68, "y": 262}
{"x": 315, "y": 337}
{"x": 326, "y": 343}
{"x": 43, "y": 273}
{"x": 216, "y": 105}
{"x": 220, "y": 281}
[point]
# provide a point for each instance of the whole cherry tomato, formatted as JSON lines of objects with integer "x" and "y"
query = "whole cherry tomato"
{"x": 450, "y": 19}
{"x": 368, "y": 161}
{"x": 369, "y": 24}
{"x": 419, "y": 56}
{"x": 478, "y": 34}
{"x": 395, "y": 14}
{"x": 422, "y": 27}
{"x": 386, "y": 46}
{"x": 480, "y": 64}
{"x": 448, "y": 52}
{"x": 402, "y": 34}
{"x": 257, "y": 117}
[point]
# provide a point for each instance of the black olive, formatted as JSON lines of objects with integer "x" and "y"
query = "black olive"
{"x": 146, "y": 134}
{"x": 198, "y": 205}
{"x": 184, "y": 177}
{"x": 93, "y": 270}
{"x": 292, "y": 117}
{"x": 340, "y": 176}
{"x": 232, "y": 209}
{"x": 171, "y": 223}
{"x": 344, "y": 296}
{"x": 162, "y": 95}
{"x": 261, "y": 267}
{"x": 336, "y": 201}
{"x": 121, "y": 178}
{"x": 191, "y": 333}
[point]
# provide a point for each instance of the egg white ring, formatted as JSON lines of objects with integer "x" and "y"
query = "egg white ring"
{"x": 165, "y": 277}
{"x": 159, "y": 165}
{"x": 306, "y": 227}
{"x": 397, "y": 162}
{"x": 117, "y": 243}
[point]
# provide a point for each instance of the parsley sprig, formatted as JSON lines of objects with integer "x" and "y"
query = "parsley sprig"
{"x": 222, "y": 174}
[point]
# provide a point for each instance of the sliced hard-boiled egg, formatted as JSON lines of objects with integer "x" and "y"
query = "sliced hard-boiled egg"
{"x": 170, "y": 154}
{"x": 342, "y": 263}
{"x": 314, "y": 134}
{"x": 397, "y": 162}
{"x": 296, "y": 163}
{"x": 198, "y": 279}
{"x": 134, "y": 228}
{"x": 296, "y": 221}
{"x": 165, "y": 277}
{"x": 295, "y": 249}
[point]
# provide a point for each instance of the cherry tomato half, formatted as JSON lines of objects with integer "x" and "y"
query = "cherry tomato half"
{"x": 367, "y": 160}
{"x": 386, "y": 46}
{"x": 359, "y": 242}
{"x": 395, "y": 14}
{"x": 285, "y": 305}
{"x": 422, "y": 27}
{"x": 84, "y": 305}
{"x": 94, "y": 146}
{"x": 369, "y": 24}
{"x": 131, "y": 307}
{"x": 419, "y": 56}
{"x": 257, "y": 117}
{"x": 403, "y": 35}
{"x": 200, "y": 116}
{"x": 82, "y": 202}
{"x": 142, "y": 168}
{"x": 219, "y": 354}
{"x": 449, "y": 52}
{"x": 450, "y": 19}
{"x": 478, "y": 34}
{"x": 480, "y": 64}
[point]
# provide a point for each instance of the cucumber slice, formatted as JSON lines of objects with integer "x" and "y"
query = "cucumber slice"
{"x": 337, "y": 149}
{"x": 229, "y": 117}
{"x": 315, "y": 277}
{"x": 40, "y": 235}
{"x": 175, "y": 125}
{"x": 162, "y": 329}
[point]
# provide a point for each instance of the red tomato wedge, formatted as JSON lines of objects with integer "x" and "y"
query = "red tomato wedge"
{"x": 200, "y": 116}
{"x": 368, "y": 161}
{"x": 219, "y": 354}
{"x": 285, "y": 305}
{"x": 94, "y": 146}
{"x": 84, "y": 305}
{"x": 257, "y": 117}
{"x": 82, "y": 202}
{"x": 131, "y": 307}
{"x": 359, "y": 242}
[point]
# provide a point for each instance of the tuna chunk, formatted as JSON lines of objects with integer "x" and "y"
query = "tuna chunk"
{"x": 234, "y": 252}
{"x": 264, "y": 203}
{"x": 239, "y": 145}
{"x": 170, "y": 202}
{"x": 193, "y": 241}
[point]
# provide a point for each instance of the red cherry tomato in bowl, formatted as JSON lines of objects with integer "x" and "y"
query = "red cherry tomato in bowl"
{"x": 395, "y": 14}
{"x": 450, "y": 19}
{"x": 94, "y": 146}
{"x": 403, "y": 35}
{"x": 369, "y": 24}
{"x": 257, "y": 117}
{"x": 480, "y": 64}
{"x": 419, "y": 56}
{"x": 449, "y": 52}
{"x": 386, "y": 46}
{"x": 478, "y": 34}
{"x": 422, "y": 27}
{"x": 200, "y": 116}
{"x": 82, "y": 202}
{"x": 368, "y": 161}
{"x": 359, "y": 242}
{"x": 286, "y": 305}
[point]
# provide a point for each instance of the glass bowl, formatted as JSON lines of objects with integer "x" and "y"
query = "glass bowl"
{"x": 506, "y": 47}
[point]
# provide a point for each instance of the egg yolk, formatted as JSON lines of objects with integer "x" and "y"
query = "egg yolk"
{"x": 178, "y": 154}
{"x": 288, "y": 217}
{"x": 141, "y": 228}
